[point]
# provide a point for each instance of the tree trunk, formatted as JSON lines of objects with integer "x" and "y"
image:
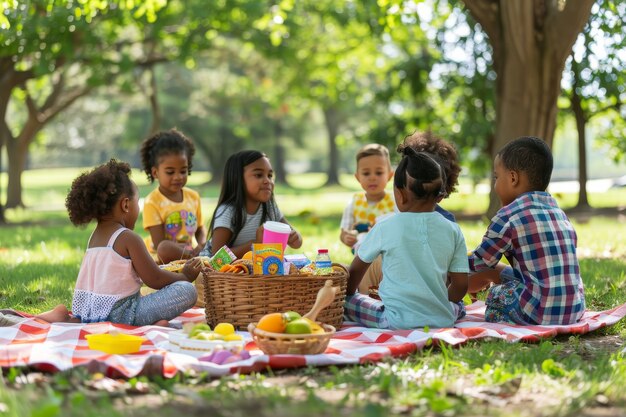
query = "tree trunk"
{"x": 9, "y": 80}
{"x": 531, "y": 41}
{"x": 331, "y": 120}
{"x": 59, "y": 99}
{"x": 279, "y": 154}
{"x": 153, "y": 97}
{"x": 581, "y": 123}
{"x": 17, "y": 151}
{"x": 3, "y": 219}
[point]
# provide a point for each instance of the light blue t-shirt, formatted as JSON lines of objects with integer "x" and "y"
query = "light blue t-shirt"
{"x": 418, "y": 250}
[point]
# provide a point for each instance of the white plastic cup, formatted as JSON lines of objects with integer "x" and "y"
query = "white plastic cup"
{"x": 276, "y": 232}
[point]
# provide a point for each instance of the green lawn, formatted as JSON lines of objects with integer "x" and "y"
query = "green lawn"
{"x": 40, "y": 253}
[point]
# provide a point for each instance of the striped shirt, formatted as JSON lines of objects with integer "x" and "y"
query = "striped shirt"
{"x": 538, "y": 240}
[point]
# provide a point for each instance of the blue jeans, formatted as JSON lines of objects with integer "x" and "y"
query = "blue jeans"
{"x": 165, "y": 304}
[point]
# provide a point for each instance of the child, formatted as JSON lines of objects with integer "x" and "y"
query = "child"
{"x": 116, "y": 261}
{"x": 373, "y": 172}
{"x": 424, "y": 257}
{"x": 446, "y": 155}
{"x": 543, "y": 283}
{"x": 172, "y": 213}
{"x": 246, "y": 201}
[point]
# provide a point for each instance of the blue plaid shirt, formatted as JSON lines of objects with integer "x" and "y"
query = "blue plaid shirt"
{"x": 538, "y": 240}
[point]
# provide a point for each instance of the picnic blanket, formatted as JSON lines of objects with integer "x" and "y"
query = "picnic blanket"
{"x": 61, "y": 346}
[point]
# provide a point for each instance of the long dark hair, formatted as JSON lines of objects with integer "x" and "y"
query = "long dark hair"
{"x": 233, "y": 192}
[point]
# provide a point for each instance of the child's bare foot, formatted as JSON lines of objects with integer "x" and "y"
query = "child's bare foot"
{"x": 59, "y": 314}
{"x": 162, "y": 323}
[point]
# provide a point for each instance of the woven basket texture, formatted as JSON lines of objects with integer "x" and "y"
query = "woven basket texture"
{"x": 295, "y": 344}
{"x": 241, "y": 300}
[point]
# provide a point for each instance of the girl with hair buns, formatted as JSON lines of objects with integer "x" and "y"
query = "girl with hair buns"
{"x": 424, "y": 257}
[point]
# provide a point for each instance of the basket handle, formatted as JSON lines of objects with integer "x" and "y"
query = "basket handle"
{"x": 341, "y": 266}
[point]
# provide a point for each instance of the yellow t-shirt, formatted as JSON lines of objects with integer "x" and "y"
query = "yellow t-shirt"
{"x": 365, "y": 212}
{"x": 179, "y": 220}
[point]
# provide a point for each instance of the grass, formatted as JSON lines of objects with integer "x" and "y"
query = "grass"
{"x": 40, "y": 254}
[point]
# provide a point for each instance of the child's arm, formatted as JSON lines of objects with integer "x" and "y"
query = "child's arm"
{"x": 356, "y": 271}
{"x": 157, "y": 234}
{"x": 347, "y": 237}
{"x": 147, "y": 269}
{"x": 457, "y": 288}
{"x": 222, "y": 235}
{"x": 295, "y": 238}
{"x": 347, "y": 223}
{"x": 201, "y": 234}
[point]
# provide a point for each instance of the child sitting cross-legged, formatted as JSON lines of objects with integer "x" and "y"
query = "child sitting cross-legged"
{"x": 424, "y": 257}
{"x": 117, "y": 261}
{"x": 542, "y": 285}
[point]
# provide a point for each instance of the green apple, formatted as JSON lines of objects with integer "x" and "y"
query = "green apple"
{"x": 291, "y": 315}
{"x": 298, "y": 326}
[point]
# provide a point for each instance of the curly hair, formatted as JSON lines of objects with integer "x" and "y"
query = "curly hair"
{"x": 443, "y": 151}
{"x": 165, "y": 143}
{"x": 94, "y": 194}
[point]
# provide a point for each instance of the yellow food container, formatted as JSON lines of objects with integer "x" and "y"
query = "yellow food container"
{"x": 119, "y": 343}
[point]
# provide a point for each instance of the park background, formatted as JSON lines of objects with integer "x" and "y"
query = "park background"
{"x": 309, "y": 82}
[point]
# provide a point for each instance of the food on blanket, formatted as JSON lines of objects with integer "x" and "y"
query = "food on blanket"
{"x": 235, "y": 268}
{"x": 291, "y": 315}
{"x": 174, "y": 266}
{"x": 204, "y": 342}
{"x": 202, "y": 331}
{"x": 221, "y": 357}
{"x": 290, "y": 322}
{"x": 298, "y": 326}
{"x": 224, "y": 329}
{"x": 299, "y": 344}
{"x": 272, "y": 322}
{"x": 197, "y": 328}
{"x": 315, "y": 327}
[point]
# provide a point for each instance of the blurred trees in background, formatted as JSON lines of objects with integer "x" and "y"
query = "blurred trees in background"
{"x": 304, "y": 79}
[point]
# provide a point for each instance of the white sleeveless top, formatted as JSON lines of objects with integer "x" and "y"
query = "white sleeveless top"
{"x": 104, "y": 278}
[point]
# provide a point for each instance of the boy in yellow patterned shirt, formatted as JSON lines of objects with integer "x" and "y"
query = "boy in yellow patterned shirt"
{"x": 373, "y": 172}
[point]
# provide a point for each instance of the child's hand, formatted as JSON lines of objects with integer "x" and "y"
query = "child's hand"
{"x": 192, "y": 268}
{"x": 348, "y": 237}
{"x": 196, "y": 251}
{"x": 259, "y": 234}
{"x": 295, "y": 240}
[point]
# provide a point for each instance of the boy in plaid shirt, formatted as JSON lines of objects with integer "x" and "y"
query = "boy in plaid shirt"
{"x": 543, "y": 283}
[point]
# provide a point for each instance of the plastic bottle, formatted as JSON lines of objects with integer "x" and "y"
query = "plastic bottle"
{"x": 323, "y": 264}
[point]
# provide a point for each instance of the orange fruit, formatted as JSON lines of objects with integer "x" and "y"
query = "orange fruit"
{"x": 247, "y": 256}
{"x": 272, "y": 322}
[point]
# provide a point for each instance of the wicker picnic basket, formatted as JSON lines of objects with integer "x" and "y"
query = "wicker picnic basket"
{"x": 244, "y": 299}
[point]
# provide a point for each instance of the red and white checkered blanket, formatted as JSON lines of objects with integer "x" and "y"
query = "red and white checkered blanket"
{"x": 60, "y": 346}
